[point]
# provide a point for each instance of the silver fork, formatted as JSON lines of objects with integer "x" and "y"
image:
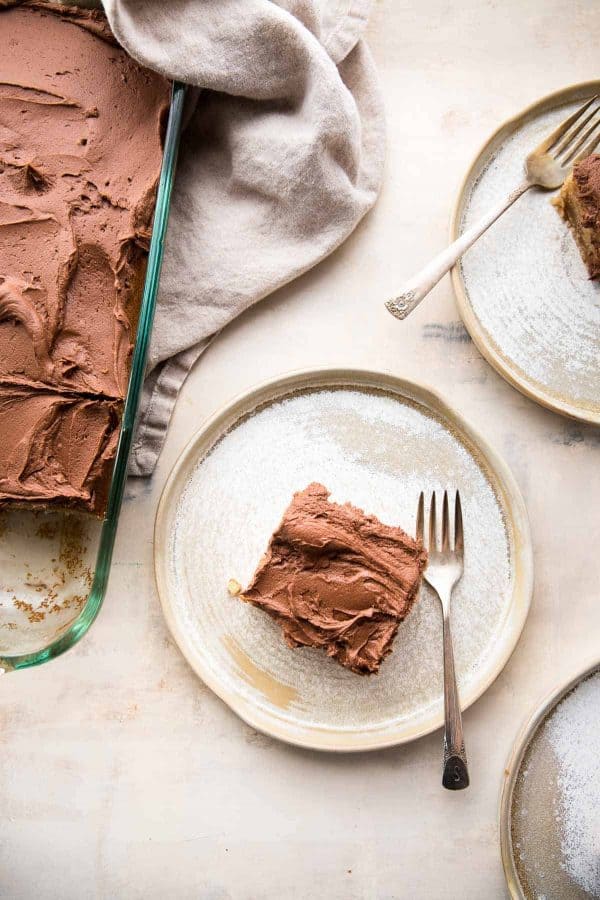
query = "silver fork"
{"x": 547, "y": 167}
{"x": 444, "y": 570}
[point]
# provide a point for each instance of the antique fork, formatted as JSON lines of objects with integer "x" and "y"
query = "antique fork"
{"x": 444, "y": 570}
{"x": 546, "y": 167}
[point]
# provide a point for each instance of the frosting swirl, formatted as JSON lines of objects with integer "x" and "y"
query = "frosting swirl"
{"x": 338, "y": 579}
{"x": 80, "y": 156}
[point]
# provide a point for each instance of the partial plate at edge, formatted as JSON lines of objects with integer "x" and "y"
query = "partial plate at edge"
{"x": 531, "y": 809}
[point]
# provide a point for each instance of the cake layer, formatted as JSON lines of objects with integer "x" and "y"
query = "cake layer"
{"x": 56, "y": 449}
{"x": 338, "y": 579}
{"x": 579, "y": 204}
{"x": 80, "y": 156}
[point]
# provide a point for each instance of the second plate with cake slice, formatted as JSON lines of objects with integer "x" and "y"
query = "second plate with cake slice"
{"x": 375, "y": 442}
{"x": 529, "y": 300}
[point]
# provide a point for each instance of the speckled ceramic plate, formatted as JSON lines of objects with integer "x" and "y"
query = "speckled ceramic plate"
{"x": 523, "y": 290}
{"x": 550, "y": 847}
{"x": 373, "y": 440}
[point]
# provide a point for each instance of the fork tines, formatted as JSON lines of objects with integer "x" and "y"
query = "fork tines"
{"x": 577, "y": 136}
{"x": 433, "y": 544}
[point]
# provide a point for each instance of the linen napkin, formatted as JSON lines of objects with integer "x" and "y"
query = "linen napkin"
{"x": 281, "y": 158}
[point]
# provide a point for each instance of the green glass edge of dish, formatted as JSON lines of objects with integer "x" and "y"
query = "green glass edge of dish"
{"x": 136, "y": 379}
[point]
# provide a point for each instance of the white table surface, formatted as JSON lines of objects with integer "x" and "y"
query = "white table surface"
{"x": 121, "y": 775}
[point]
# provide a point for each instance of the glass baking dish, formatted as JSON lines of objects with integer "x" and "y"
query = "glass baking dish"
{"x": 54, "y": 565}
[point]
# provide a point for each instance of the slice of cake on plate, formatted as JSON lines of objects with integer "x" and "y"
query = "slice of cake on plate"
{"x": 336, "y": 578}
{"x": 579, "y": 204}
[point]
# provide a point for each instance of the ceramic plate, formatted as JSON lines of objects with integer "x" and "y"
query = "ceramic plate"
{"x": 523, "y": 290}
{"x": 550, "y": 807}
{"x": 375, "y": 441}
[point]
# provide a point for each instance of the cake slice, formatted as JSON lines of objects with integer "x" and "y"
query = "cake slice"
{"x": 338, "y": 579}
{"x": 579, "y": 204}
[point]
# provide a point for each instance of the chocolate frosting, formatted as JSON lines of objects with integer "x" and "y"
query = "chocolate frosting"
{"x": 586, "y": 176}
{"x": 338, "y": 579}
{"x": 56, "y": 447}
{"x": 80, "y": 156}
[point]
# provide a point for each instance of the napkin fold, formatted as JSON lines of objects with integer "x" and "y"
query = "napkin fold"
{"x": 281, "y": 158}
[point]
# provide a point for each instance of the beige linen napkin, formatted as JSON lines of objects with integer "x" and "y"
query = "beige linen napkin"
{"x": 281, "y": 158}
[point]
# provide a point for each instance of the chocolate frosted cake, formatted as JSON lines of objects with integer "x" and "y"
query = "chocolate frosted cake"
{"x": 579, "y": 204}
{"x": 336, "y": 578}
{"x": 80, "y": 156}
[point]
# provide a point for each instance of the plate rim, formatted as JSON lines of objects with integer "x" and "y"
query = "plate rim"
{"x": 481, "y": 339}
{"x": 519, "y": 748}
{"x": 313, "y": 737}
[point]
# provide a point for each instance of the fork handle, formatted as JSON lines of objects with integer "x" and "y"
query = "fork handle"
{"x": 420, "y": 285}
{"x": 456, "y": 774}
